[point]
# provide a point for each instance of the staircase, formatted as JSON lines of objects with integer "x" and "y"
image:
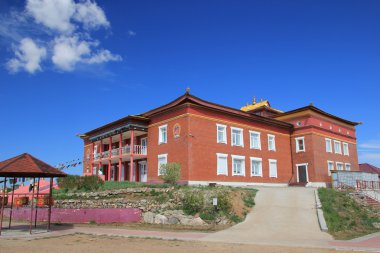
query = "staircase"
{"x": 297, "y": 184}
{"x": 372, "y": 202}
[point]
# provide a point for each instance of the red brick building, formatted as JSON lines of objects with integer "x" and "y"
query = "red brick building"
{"x": 213, "y": 143}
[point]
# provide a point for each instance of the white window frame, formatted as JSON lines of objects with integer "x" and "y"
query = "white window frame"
{"x": 346, "y": 149}
{"x": 257, "y": 159}
{"x": 328, "y": 169}
{"x": 238, "y": 157}
{"x": 224, "y": 133}
{"x": 345, "y": 166}
{"x": 158, "y": 164}
{"x": 340, "y": 147}
{"x": 307, "y": 171}
{"x": 241, "y": 136}
{"x": 269, "y": 162}
{"x": 274, "y": 142}
{"x": 219, "y": 155}
{"x": 160, "y": 136}
{"x": 251, "y": 134}
{"x": 339, "y": 163}
{"x": 298, "y": 146}
{"x": 330, "y": 150}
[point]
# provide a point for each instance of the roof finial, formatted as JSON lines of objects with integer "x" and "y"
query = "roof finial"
{"x": 254, "y": 100}
{"x": 188, "y": 90}
{"x": 311, "y": 104}
{"x": 261, "y": 100}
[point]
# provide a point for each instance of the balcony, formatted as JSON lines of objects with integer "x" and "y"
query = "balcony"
{"x": 125, "y": 151}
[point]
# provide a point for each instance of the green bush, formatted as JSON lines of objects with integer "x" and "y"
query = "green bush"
{"x": 209, "y": 216}
{"x": 91, "y": 183}
{"x": 193, "y": 202}
{"x": 224, "y": 201}
{"x": 170, "y": 172}
{"x": 249, "y": 198}
{"x": 70, "y": 182}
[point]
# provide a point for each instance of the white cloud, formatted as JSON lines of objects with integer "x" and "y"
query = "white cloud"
{"x": 370, "y": 145}
{"x": 91, "y": 15}
{"x": 54, "y": 14}
{"x": 68, "y": 51}
{"x": 28, "y": 57}
{"x": 131, "y": 33}
{"x": 371, "y": 158}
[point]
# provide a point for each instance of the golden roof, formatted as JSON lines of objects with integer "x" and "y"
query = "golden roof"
{"x": 255, "y": 105}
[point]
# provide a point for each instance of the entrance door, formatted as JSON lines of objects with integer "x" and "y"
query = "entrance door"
{"x": 143, "y": 172}
{"x": 302, "y": 173}
{"x": 144, "y": 143}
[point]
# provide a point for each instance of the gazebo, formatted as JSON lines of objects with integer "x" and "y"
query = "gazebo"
{"x": 26, "y": 166}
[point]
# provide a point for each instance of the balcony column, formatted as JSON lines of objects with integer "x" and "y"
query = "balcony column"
{"x": 92, "y": 158}
{"x": 120, "y": 146}
{"x": 100, "y": 152}
{"x": 131, "y": 155}
{"x": 109, "y": 158}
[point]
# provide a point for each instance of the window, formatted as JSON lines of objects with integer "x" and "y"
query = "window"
{"x": 221, "y": 132}
{"x": 272, "y": 168}
{"x": 256, "y": 166}
{"x": 348, "y": 166}
{"x": 237, "y": 137}
{"x": 255, "y": 141}
{"x": 337, "y": 147}
{"x": 222, "y": 167}
{"x": 330, "y": 167}
{"x": 339, "y": 166}
{"x": 345, "y": 149}
{"x": 163, "y": 134}
{"x": 271, "y": 142}
{"x": 300, "y": 144}
{"x": 162, "y": 160}
{"x": 238, "y": 165}
{"x": 328, "y": 145}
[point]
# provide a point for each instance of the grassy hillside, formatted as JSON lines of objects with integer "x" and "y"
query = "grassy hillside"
{"x": 345, "y": 217}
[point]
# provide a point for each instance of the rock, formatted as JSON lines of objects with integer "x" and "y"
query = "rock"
{"x": 149, "y": 217}
{"x": 197, "y": 222}
{"x": 376, "y": 225}
{"x": 173, "y": 220}
{"x": 160, "y": 219}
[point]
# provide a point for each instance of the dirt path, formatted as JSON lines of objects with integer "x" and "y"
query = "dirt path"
{"x": 281, "y": 216}
{"x": 96, "y": 244}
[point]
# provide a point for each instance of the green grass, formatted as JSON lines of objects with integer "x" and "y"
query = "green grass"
{"x": 346, "y": 218}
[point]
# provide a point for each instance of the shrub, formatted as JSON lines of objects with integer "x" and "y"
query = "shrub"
{"x": 70, "y": 182}
{"x": 171, "y": 172}
{"x": 224, "y": 201}
{"x": 249, "y": 198}
{"x": 193, "y": 202}
{"x": 91, "y": 183}
{"x": 210, "y": 216}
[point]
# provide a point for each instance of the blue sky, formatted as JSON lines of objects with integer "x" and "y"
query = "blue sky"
{"x": 70, "y": 67}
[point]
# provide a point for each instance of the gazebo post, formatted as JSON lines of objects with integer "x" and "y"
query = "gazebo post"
{"x": 38, "y": 192}
{"x": 2, "y": 206}
{"x": 31, "y": 208}
{"x": 13, "y": 193}
{"x": 50, "y": 200}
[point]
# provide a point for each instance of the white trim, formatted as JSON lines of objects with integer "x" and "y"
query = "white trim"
{"x": 336, "y": 163}
{"x": 274, "y": 142}
{"x": 238, "y": 184}
{"x": 250, "y": 139}
{"x": 340, "y": 147}
{"x": 269, "y": 162}
{"x": 238, "y": 157}
{"x": 218, "y": 155}
{"x": 241, "y": 136}
{"x": 345, "y": 144}
{"x": 331, "y": 147}
{"x": 225, "y": 133}
{"x": 307, "y": 173}
{"x": 158, "y": 158}
{"x": 345, "y": 166}
{"x": 261, "y": 166}
{"x": 298, "y": 146}
{"x": 328, "y": 170}
{"x": 160, "y": 141}
{"x": 316, "y": 185}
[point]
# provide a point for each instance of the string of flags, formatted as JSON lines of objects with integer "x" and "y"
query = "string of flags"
{"x": 68, "y": 164}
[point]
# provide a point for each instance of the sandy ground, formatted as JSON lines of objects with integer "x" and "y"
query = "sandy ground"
{"x": 90, "y": 243}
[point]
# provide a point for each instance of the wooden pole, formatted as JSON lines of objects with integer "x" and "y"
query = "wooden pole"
{"x": 38, "y": 193}
{"x": 31, "y": 208}
{"x": 2, "y": 206}
{"x": 50, "y": 202}
{"x": 13, "y": 193}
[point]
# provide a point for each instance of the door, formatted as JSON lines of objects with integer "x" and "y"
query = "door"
{"x": 144, "y": 143}
{"x": 143, "y": 172}
{"x": 302, "y": 173}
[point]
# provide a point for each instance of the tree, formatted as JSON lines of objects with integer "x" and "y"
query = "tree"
{"x": 170, "y": 172}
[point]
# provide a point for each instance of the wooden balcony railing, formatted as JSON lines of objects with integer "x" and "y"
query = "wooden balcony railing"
{"x": 126, "y": 150}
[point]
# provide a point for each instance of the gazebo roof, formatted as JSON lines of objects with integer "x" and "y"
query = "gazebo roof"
{"x": 26, "y": 165}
